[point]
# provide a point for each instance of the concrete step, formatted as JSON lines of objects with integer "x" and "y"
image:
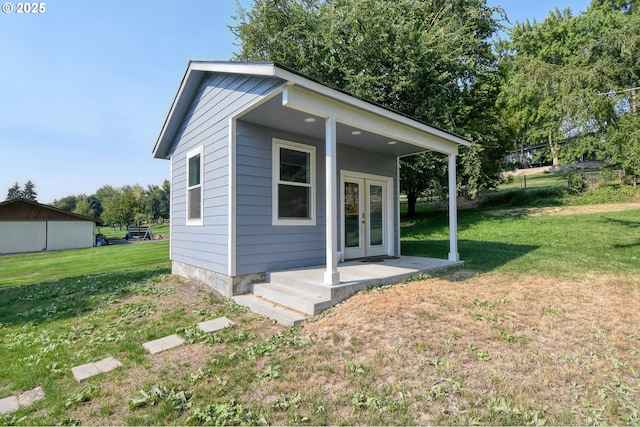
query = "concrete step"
{"x": 310, "y": 280}
{"x": 305, "y": 301}
{"x": 269, "y": 309}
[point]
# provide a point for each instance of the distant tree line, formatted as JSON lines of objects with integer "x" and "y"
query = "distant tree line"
{"x": 130, "y": 204}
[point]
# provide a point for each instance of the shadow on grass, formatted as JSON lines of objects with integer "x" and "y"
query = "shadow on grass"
{"x": 477, "y": 255}
{"x": 69, "y": 297}
{"x": 627, "y": 225}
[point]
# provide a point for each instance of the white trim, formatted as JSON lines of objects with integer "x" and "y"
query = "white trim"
{"x": 396, "y": 216}
{"x": 276, "y": 144}
{"x": 190, "y": 154}
{"x": 231, "y": 213}
{"x": 331, "y": 274}
{"x": 171, "y": 221}
{"x": 453, "y": 210}
{"x": 390, "y": 222}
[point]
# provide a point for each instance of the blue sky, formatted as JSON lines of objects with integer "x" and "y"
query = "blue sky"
{"x": 86, "y": 85}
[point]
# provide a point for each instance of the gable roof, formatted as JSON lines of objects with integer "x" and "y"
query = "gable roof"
{"x": 27, "y": 210}
{"x": 296, "y": 86}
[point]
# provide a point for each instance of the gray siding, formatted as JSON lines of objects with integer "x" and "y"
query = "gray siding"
{"x": 260, "y": 246}
{"x": 207, "y": 124}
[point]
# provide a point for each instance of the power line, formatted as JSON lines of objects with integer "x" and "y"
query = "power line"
{"x": 618, "y": 92}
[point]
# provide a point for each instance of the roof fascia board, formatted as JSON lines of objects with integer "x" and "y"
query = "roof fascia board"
{"x": 310, "y": 102}
{"x": 368, "y": 106}
{"x": 250, "y": 68}
{"x": 181, "y": 103}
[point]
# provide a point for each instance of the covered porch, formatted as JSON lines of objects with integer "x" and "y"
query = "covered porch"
{"x": 344, "y": 122}
{"x": 291, "y": 296}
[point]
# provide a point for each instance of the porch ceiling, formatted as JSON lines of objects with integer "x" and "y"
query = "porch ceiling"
{"x": 274, "y": 114}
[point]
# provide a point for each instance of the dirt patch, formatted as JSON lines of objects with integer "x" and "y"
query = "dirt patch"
{"x": 566, "y": 210}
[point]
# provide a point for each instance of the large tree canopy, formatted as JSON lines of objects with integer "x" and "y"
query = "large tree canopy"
{"x": 575, "y": 75}
{"x": 430, "y": 59}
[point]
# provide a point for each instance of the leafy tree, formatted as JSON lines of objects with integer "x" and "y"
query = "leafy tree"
{"x": 157, "y": 201}
{"x": 571, "y": 76}
{"x": 96, "y": 206}
{"x": 67, "y": 203}
{"x": 124, "y": 205}
{"x": 105, "y": 193}
{"x": 83, "y": 207}
{"x": 623, "y": 146}
{"x": 425, "y": 58}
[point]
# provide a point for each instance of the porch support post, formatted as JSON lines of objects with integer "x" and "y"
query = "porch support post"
{"x": 331, "y": 275}
{"x": 453, "y": 210}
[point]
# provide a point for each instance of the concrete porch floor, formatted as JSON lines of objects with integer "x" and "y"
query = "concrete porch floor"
{"x": 304, "y": 290}
{"x": 365, "y": 273}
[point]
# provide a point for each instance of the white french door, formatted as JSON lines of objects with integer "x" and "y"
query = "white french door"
{"x": 366, "y": 219}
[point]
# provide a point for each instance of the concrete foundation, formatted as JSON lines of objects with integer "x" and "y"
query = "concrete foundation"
{"x": 225, "y": 285}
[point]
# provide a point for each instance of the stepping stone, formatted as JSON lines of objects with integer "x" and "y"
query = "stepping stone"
{"x": 13, "y": 403}
{"x": 31, "y": 396}
{"x": 162, "y": 344}
{"x": 88, "y": 370}
{"x": 215, "y": 324}
{"x": 9, "y": 404}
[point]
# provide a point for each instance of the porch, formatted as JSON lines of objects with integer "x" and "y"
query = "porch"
{"x": 291, "y": 296}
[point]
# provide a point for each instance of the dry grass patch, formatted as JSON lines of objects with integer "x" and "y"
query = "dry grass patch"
{"x": 566, "y": 210}
{"x": 491, "y": 349}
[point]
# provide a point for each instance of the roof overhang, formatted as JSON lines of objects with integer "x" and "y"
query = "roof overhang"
{"x": 303, "y": 95}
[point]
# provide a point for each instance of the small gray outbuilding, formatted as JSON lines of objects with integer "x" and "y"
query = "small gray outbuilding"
{"x": 27, "y": 226}
{"x": 273, "y": 170}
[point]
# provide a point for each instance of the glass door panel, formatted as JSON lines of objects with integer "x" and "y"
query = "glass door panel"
{"x": 352, "y": 214}
{"x": 354, "y": 238}
{"x": 376, "y": 224}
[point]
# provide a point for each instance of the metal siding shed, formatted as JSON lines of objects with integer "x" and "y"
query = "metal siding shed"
{"x": 27, "y": 226}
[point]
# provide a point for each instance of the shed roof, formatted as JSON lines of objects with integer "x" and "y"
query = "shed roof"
{"x": 296, "y": 90}
{"x": 27, "y": 210}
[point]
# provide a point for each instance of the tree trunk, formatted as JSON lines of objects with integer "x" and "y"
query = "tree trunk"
{"x": 554, "y": 149}
{"x": 412, "y": 200}
{"x": 634, "y": 101}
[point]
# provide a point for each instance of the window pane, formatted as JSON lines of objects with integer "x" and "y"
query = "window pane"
{"x": 195, "y": 202}
{"x": 194, "y": 170}
{"x": 352, "y": 214}
{"x": 294, "y": 166}
{"x": 293, "y": 201}
{"x": 375, "y": 215}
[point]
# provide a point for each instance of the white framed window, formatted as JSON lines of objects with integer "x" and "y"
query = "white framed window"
{"x": 294, "y": 181}
{"x": 194, "y": 186}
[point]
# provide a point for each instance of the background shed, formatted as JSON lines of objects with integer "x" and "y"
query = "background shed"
{"x": 27, "y": 226}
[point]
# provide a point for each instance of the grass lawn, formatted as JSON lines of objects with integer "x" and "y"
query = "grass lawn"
{"x": 117, "y": 233}
{"x": 538, "y": 327}
{"x": 556, "y": 179}
{"x": 527, "y": 240}
{"x": 23, "y": 269}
